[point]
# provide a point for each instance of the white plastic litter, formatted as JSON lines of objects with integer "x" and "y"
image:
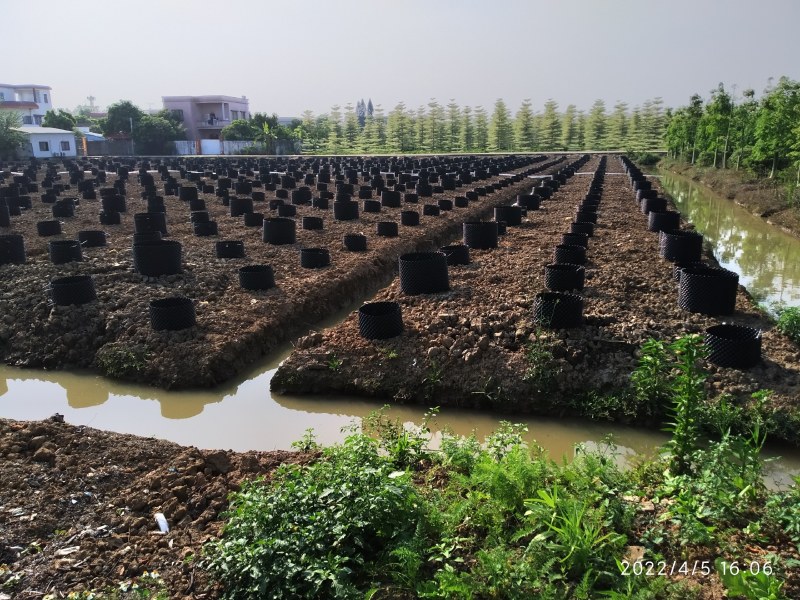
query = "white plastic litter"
{"x": 162, "y": 522}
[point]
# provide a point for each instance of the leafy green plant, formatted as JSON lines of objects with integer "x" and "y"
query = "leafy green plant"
{"x": 335, "y": 363}
{"x": 741, "y": 582}
{"x": 116, "y": 360}
{"x": 574, "y": 532}
{"x": 307, "y": 443}
{"x": 687, "y": 400}
{"x": 650, "y": 380}
{"x": 540, "y": 370}
{"x": 789, "y": 323}
{"x": 316, "y": 531}
{"x": 405, "y": 445}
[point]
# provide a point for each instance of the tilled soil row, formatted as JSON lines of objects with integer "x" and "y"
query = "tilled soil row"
{"x": 234, "y": 326}
{"x": 477, "y": 345}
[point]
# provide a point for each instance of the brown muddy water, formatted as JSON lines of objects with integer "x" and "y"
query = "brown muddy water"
{"x": 245, "y": 415}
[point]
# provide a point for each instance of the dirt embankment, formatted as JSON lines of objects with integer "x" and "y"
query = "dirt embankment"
{"x": 234, "y": 326}
{"x": 77, "y": 507}
{"x": 477, "y": 344}
{"x": 762, "y": 197}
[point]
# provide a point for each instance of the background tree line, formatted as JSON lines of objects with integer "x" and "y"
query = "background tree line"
{"x": 437, "y": 128}
{"x": 727, "y": 131}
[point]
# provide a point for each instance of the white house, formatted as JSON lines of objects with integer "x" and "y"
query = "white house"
{"x": 46, "y": 142}
{"x": 30, "y": 100}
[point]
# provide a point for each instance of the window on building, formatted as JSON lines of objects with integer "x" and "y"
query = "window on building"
{"x": 2, "y": 96}
{"x": 37, "y": 119}
{"x": 178, "y": 113}
{"x": 44, "y": 146}
{"x": 27, "y": 120}
{"x": 65, "y": 145}
{"x": 46, "y": 101}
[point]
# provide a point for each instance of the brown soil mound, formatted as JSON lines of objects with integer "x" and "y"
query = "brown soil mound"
{"x": 77, "y": 507}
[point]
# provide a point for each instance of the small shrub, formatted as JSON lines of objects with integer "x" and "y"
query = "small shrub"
{"x": 116, "y": 360}
{"x": 316, "y": 531}
{"x": 789, "y": 323}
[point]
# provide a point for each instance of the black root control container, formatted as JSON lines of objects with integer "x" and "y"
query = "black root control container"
{"x": 380, "y": 320}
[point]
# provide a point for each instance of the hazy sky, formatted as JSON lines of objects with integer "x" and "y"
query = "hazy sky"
{"x": 311, "y": 54}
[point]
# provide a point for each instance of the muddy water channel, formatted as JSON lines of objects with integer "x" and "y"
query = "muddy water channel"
{"x": 244, "y": 415}
{"x": 767, "y": 259}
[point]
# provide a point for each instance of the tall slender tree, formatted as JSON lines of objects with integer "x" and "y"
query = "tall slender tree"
{"x": 596, "y": 126}
{"x": 481, "y": 131}
{"x": 453, "y": 135}
{"x": 501, "y": 130}
{"x": 568, "y": 128}
{"x": 524, "y": 130}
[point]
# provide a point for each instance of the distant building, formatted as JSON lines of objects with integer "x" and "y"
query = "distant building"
{"x": 31, "y": 101}
{"x": 46, "y": 142}
{"x": 205, "y": 116}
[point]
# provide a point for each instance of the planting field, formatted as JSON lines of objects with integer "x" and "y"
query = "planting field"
{"x": 221, "y": 327}
{"x": 479, "y": 344}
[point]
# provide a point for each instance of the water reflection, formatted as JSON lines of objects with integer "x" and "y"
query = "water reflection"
{"x": 767, "y": 259}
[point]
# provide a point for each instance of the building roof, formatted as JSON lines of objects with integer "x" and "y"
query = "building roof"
{"x": 25, "y": 85}
{"x": 205, "y": 98}
{"x": 18, "y": 104}
{"x": 36, "y": 129}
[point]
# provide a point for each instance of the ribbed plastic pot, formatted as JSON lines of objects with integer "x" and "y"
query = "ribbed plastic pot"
{"x": 372, "y": 206}
{"x": 91, "y": 238}
{"x": 529, "y": 201}
{"x": 678, "y": 267}
{"x": 585, "y": 215}
{"x": 461, "y": 202}
{"x": 148, "y": 236}
{"x": 410, "y": 198}
{"x": 457, "y": 254}
{"x": 558, "y": 310}
{"x": 733, "y": 346}
{"x": 188, "y": 192}
{"x": 199, "y": 216}
{"x": 253, "y": 219}
{"x": 12, "y": 249}
{"x": 575, "y": 239}
{"x": 287, "y": 210}
{"x": 158, "y": 257}
{"x": 387, "y": 229}
{"x": 229, "y": 249}
{"x": 47, "y": 228}
{"x": 355, "y": 242}
{"x": 390, "y": 199}
{"x": 431, "y": 210}
{"x": 279, "y": 231}
{"x": 582, "y": 227}
{"x": 206, "y": 229}
{"x": 480, "y": 235}
{"x": 346, "y": 210}
{"x": 320, "y": 203}
{"x": 564, "y": 277}
{"x": 77, "y": 289}
{"x": 409, "y": 218}
{"x": 708, "y": 290}
{"x": 423, "y": 273}
{"x": 5, "y": 216}
{"x": 195, "y": 205}
{"x": 445, "y": 204}
{"x": 314, "y": 258}
{"x": 172, "y": 313}
{"x": 680, "y": 245}
{"x": 257, "y": 277}
{"x": 569, "y": 253}
{"x": 64, "y": 251}
{"x": 110, "y": 218}
{"x": 380, "y": 320}
{"x": 512, "y": 215}
{"x": 147, "y": 222}
{"x": 649, "y": 205}
{"x": 668, "y": 220}
{"x": 240, "y": 206}
{"x": 312, "y": 223}
{"x": 63, "y": 209}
